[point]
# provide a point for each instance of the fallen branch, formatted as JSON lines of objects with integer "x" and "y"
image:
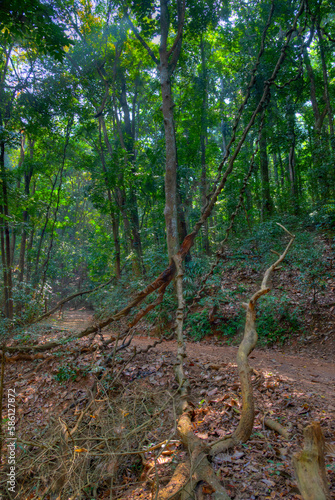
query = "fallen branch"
{"x": 276, "y": 426}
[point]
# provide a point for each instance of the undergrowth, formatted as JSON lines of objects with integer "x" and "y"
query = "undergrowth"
{"x": 248, "y": 251}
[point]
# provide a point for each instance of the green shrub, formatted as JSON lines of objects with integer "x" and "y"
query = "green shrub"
{"x": 276, "y": 320}
{"x": 66, "y": 372}
{"x": 198, "y": 325}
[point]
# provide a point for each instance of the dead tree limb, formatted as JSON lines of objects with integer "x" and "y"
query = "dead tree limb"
{"x": 309, "y": 465}
{"x": 220, "y": 251}
{"x": 277, "y": 427}
{"x": 245, "y": 426}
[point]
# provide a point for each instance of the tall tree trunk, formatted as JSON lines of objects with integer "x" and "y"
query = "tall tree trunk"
{"x": 45, "y": 265}
{"x": 5, "y": 239}
{"x": 291, "y": 155}
{"x": 170, "y": 211}
{"x": 203, "y": 139}
{"x": 166, "y": 65}
{"x": 129, "y": 142}
{"x": 326, "y": 89}
{"x": 114, "y": 217}
{"x": 116, "y": 238}
{"x": 27, "y": 178}
{"x": 319, "y": 116}
{"x": 29, "y": 249}
{"x": 267, "y": 205}
{"x": 129, "y": 214}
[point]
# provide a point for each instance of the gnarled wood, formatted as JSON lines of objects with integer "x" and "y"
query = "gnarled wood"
{"x": 309, "y": 465}
{"x": 244, "y": 428}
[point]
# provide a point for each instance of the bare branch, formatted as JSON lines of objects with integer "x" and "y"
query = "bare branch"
{"x": 180, "y": 30}
{"x": 140, "y": 39}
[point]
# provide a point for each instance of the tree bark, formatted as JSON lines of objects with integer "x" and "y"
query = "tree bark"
{"x": 27, "y": 178}
{"x": 326, "y": 89}
{"x": 267, "y": 204}
{"x": 114, "y": 216}
{"x": 309, "y": 465}
{"x": 170, "y": 211}
{"x": 203, "y": 139}
{"x": 5, "y": 239}
{"x": 291, "y": 154}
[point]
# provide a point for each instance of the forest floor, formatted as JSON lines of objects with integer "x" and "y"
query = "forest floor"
{"x": 293, "y": 385}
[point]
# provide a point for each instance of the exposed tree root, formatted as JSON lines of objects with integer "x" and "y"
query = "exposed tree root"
{"x": 180, "y": 477}
{"x": 309, "y": 465}
{"x": 201, "y": 469}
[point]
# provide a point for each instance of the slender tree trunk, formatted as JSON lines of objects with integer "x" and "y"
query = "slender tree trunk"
{"x": 5, "y": 239}
{"x": 275, "y": 170}
{"x": 4, "y": 268}
{"x": 114, "y": 217}
{"x": 29, "y": 250}
{"x": 319, "y": 116}
{"x": 130, "y": 216}
{"x": 291, "y": 154}
{"x": 326, "y": 89}
{"x": 115, "y": 227}
{"x": 267, "y": 205}
{"x": 27, "y": 178}
{"x": 47, "y": 260}
{"x": 46, "y": 221}
{"x": 203, "y": 139}
{"x": 128, "y": 142}
{"x": 170, "y": 211}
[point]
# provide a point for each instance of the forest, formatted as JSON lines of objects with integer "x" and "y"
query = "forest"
{"x": 167, "y": 235}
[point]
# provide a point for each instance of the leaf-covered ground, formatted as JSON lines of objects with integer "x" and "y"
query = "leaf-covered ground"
{"x": 291, "y": 389}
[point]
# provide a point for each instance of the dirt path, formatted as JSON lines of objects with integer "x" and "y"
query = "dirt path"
{"x": 71, "y": 319}
{"x": 311, "y": 375}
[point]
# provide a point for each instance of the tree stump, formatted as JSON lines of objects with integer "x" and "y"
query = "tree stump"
{"x": 309, "y": 465}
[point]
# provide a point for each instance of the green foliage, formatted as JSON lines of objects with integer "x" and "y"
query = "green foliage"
{"x": 33, "y": 21}
{"x": 308, "y": 258}
{"x": 277, "y": 319}
{"x": 66, "y": 372}
{"x": 198, "y": 325}
{"x": 323, "y": 217}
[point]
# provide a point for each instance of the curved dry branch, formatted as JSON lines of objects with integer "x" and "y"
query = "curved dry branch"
{"x": 220, "y": 251}
{"x": 245, "y": 426}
